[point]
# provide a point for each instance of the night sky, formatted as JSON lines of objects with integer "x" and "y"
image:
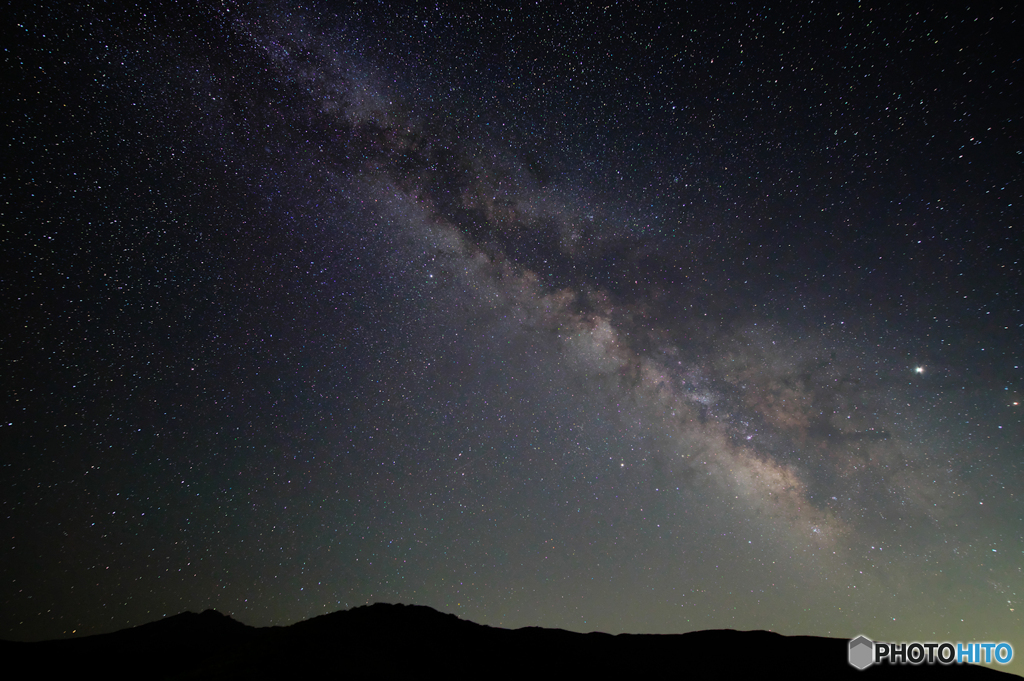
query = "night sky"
{"x": 621, "y": 318}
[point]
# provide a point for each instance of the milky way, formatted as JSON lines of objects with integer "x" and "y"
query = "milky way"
{"x": 593, "y": 320}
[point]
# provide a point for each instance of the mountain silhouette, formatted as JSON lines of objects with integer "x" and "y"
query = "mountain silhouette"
{"x": 386, "y": 640}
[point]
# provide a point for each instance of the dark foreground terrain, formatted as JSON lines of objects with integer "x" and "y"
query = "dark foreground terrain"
{"x": 386, "y": 640}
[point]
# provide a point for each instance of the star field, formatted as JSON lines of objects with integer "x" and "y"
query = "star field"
{"x": 625, "y": 318}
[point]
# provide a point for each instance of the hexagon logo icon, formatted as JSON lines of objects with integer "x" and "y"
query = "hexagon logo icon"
{"x": 862, "y": 650}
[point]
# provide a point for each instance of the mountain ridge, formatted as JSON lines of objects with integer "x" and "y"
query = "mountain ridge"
{"x": 395, "y": 638}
